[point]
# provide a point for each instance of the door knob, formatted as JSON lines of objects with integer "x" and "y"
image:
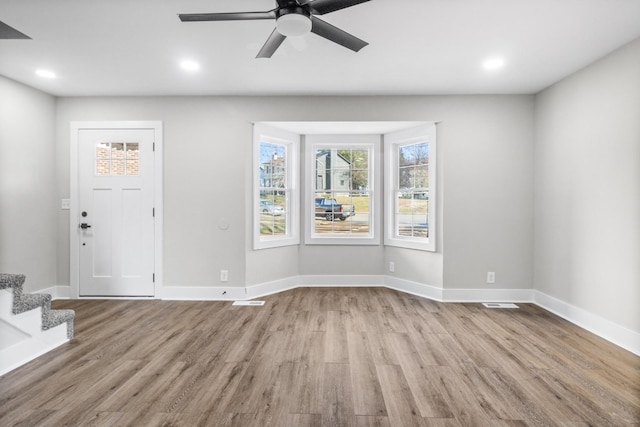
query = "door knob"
{"x": 84, "y": 226}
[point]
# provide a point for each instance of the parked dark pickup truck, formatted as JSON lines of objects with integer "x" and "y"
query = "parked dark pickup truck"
{"x": 330, "y": 209}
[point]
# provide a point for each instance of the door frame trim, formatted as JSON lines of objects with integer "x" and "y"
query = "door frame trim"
{"x": 158, "y": 184}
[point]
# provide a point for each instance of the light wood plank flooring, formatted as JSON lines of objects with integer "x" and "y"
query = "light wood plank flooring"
{"x": 323, "y": 357}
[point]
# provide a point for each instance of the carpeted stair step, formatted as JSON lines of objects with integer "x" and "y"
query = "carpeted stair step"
{"x": 57, "y": 317}
{"x": 24, "y": 302}
{"x": 11, "y": 281}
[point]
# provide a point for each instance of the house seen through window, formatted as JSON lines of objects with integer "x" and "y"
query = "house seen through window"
{"x": 410, "y": 188}
{"x": 276, "y": 177}
{"x": 273, "y": 189}
{"x": 341, "y": 201}
{"x": 341, "y": 198}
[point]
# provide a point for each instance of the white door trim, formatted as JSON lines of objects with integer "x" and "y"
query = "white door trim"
{"x": 76, "y": 127}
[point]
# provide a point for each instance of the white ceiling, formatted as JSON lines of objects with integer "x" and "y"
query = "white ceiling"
{"x": 133, "y": 47}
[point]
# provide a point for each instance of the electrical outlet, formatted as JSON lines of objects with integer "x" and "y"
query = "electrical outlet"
{"x": 392, "y": 266}
{"x": 491, "y": 277}
{"x": 224, "y": 275}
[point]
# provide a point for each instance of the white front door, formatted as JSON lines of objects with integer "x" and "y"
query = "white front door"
{"x": 115, "y": 212}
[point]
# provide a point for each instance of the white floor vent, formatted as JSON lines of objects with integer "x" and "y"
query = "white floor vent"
{"x": 499, "y": 305}
{"x": 248, "y": 303}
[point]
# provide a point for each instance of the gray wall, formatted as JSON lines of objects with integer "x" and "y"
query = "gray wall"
{"x": 485, "y": 187}
{"x": 587, "y": 191}
{"x": 578, "y": 224}
{"x": 27, "y": 184}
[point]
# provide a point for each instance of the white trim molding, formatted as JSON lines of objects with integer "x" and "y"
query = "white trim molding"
{"x": 610, "y": 331}
{"x": 487, "y": 295}
{"x": 203, "y": 293}
{"x": 273, "y": 287}
{"x": 57, "y": 292}
{"x": 414, "y": 288}
{"x": 340, "y": 281}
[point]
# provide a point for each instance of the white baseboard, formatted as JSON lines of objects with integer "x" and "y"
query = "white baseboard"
{"x": 621, "y": 336}
{"x": 273, "y": 287}
{"x": 414, "y": 288}
{"x": 487, "y": 295}
{"x": 352, "y": 281}
{"x": 57, "y": 292}
{"x": 203, "y": 293}
{"x": 610, "y": 331}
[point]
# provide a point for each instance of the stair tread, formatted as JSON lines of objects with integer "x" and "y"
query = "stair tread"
{"x": 57, "y": 317}
{"x": 26, "y": 302}
{"x": 11, "y": 280}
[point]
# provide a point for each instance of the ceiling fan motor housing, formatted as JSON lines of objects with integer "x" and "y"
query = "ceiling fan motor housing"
{"x": 293, "y": 21}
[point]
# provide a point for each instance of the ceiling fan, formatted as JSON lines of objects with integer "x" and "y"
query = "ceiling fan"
{"x": 7, "y": 32}
{"x": 293, "y": 18}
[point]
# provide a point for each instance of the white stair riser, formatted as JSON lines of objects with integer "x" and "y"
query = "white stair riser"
{"x": 10, "y": 335}
{"x": 30, "y": 321}
{"x": 25, "y": 351}
{"x": 22, "y": 338}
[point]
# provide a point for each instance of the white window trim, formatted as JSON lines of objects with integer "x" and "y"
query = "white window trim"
{"x": 371, "y": 142}
{"x": 291, "y": 141}
{"x": 392, "y": 141}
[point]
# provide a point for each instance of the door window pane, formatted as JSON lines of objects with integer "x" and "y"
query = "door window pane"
{"x": 133, "y": 159}
{"x": 103, "y": 156}
{"x": 117, "y": 159}
{"x": 117, "y": 167}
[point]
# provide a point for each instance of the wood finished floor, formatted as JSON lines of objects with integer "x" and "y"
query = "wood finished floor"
{"x": 323, "y": 357}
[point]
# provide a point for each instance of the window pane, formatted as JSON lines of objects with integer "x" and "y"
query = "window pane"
{"x": 421, "y": 153}
{"x": 273, "y": 182}
{"x": 421, "y": 176}
{"x": 103, "y": 153}
{"x": 342, "y": 213}
{"x": 411, "y": 214}
{"x": 117, "y": 167}
{"x": 117, "y": 150}
{"x": 102, "y": 150}
{"x": 342, "y": 197}
{"x": 278, "y": 179}
{"x": 133, "y": 167}
{"x": 406, "y": 156}
{"x": 360, "y": 159}
{"x": 273, "y": 164}
{"x": 132, "y": 150}
{"x": 405, "y": 177}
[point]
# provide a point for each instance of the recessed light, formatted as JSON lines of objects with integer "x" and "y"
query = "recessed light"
{"x": 47, "y": 74}
{"x": 189, "y": 65}
{"x": 493, "y": 63}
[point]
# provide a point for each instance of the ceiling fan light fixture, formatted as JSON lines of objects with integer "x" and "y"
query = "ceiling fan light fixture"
{"x": 293, "y": 25}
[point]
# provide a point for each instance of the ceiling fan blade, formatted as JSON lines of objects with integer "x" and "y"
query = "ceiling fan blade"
{"x": 7, "y": 32}
{"x": 321, "y": 7}
{"x": 273, "y": 43}
{"x": 233, "y": 16}
{"x": 336, "y": 35}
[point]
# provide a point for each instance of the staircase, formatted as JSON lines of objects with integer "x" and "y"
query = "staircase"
{"x": 28, "y": 326}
